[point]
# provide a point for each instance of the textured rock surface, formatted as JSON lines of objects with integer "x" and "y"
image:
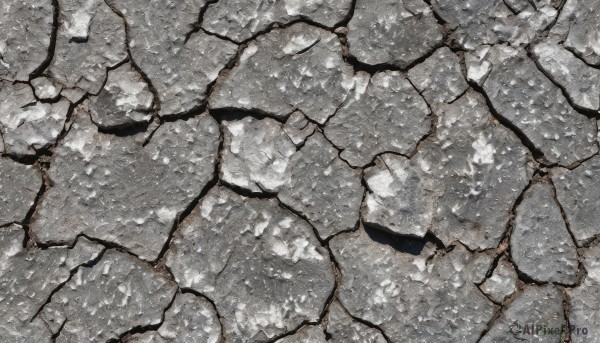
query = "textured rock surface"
{"x": 45, "y": 88}
{"x": 190, "y": 319}
{"x": 308, "y": 334}
{"x": 144, "y": 188}
{"x": 298, "y": 128}
{"x": 502, "y": 283}
{"x": 344, "y": 329}
{"x": 585, "y": 310}
{"x": 19, "y": 186}
{"x": 578, "y": 27}
{"x": 541, "y": 245}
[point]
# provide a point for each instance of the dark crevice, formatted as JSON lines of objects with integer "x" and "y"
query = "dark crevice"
{"x": 404, "y": 244}
{"x": 52, "y": 47}
{"x": 213, "y": 304}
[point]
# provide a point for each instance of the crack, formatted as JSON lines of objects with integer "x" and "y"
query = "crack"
{"x": 214, "y": 305}
{"x": 51, "y": 48}
{"x": 566, "y": 310}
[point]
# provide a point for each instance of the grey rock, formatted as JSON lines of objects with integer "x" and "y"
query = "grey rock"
{"x": 344, "y": 329}
{"x": 90, "y": 39}
{"x": 578, "y": 192}
{"x": 585, "y": 310}
{"x": 45, "y": 88}
{"x": 308, "y": 334}
{"x": 19, "y": 186}
{"x": 124, "y": 100}
{"x": 27, "y": 125}
{"x": 181, "y": 64}
{"x": 502, "y": 283}
{"x": 240, "y": 20}
{"x": 541, "y": 305}
{"x": 256, "y": 154}
{"x": 144, "y": 188}
{"x": 439, "y": 78}
{"x": 477, "y": 22}
{"x": 392, "y": 32}
{"x": 411, "y": 297}
{"x": 386, "y": 114}
{"x": 25, "y": 34}
{"x": 190, "y": 319}
{"x": 398, "y": 200}
{"x": 265, "y": 255}
{"x": 534, "y": 105}
{"x": 541, "y": 246}
{"x": 478, "y": 67}
{"x": 323, "y": 187}
{"x": 578, "y": 27}
{"x": 591, "y": 262}
{"x": 146, "y": 337}
{"x": 298, "y": 128}
{"x": 102, "y": 302}
{"x": 74, "y": 95}
{"x": 295, "y": 68}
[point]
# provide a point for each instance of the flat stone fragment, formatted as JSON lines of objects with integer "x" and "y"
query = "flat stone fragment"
{"x": 124, "y": 100}
{"x": 190, "y": 319}
{"x": 255, "y": 154}
{"x": 539, "y": 305}
{"x": 392, "y": 32}
{"x": 181, "y": 65}
{"x": 475, "y": 22}
{"x": 144, "y": 188}
{"x": 263, "y": 253}
{"x": 439, "y": 78}
{"x": 308, "y": 334}
{"x": 27, "y": 125}
{"x": 578, "y": 192}
{"x": 241, "y": 20}
{"x": 410, "y": 296}
{"x": 344, "y": 329}
{"x": 90, "y": 39}
{"x": 502, "y": 283}
{"x": 323, "y": 187}
{"x": 526, "y": 98}
{"x": 45, "y": 88}
{"x": 28, "y": 279}
{"x": 578, "y": 27}
{"x": 398, "y": 200}
{"x": 541, "y": 246}
{"x": 386, "y": 114}
{"x": 19, "y": 186}
{"x": 102, "y": 302}
{"x": 298, "y": 128}
{"x": 294, "y": 68}
{"x": 585, "y": 309}
{"x": 478, "y": 67}
{"x": 25, "y": 34}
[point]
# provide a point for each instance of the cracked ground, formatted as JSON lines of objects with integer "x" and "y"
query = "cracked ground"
{"x": 288, "y": 171}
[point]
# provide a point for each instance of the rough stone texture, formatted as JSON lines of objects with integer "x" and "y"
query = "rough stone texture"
{"x": 25, "y": 37}
{"x": 344, "y": 329}
{"x": 475, "y": 22}
{"x": 308, "y": 334}
{"x": 299, "y": 67}
{"x": 45, "y": 88}
{"x": 298, "y": 128}
{"x": 190, "y": 319}
{"x": 104, "y": 301}
{"x": 180, "y": 63}
{"x": 578, "y": 27}
{"x": 542, "y": 305}
{"x": 412, "y": 298}
{"x": 542, "y": 247}
{"x": 386, "y": 114}
{"x": 585, "y": 310}
{"x": 19, "y": 186}
{"x": 90, "y": 39}
{"x": 392, "y": 32}
{"x": 502, "y": 283}
{"x": 536, "y": 107}
{"x": 124, "y": 100}
{"x": 323, "y": 187}
{"x": 259, "y": 251}
{"x": 144, "y": 188}
{"x": 240, "y": 20}
{"x": 27, "y": 125}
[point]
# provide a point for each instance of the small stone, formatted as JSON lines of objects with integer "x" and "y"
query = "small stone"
{"x": 386, "y": 114}
{"x": 439, "y": 78}
{"x": 116, "y": 295}
{"x": 241, "y": 20}
{"x": 308, "y": 334}
{"x": 298, "y": 128}
{"x": 124, "y": 100}
{"x": 27, "y": 125}
{"x": 144, "y": 188}
{"x": 392, "y": 32}
{"x": 343, "y": 329}
{"x": 256, "y": 154}
{"x": 296, "y": 68}
{"x": 578, "y": 26}
{"x": 478, "y": 68}
{"x": 45, "y": 88}
{"x": 19, "y": 186}
{"x": 258, "y": 250}
{"x": 25, "y": 37}
{"x": 323, "y": 187}
{"x": 502, "y": 284}
{"x": 190, "y": 319}
{"x": 90, "y": 39}
{"x": 523, "y": 95}
{"x": 541, "y": 246}
{"x": 74, "y": 95}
